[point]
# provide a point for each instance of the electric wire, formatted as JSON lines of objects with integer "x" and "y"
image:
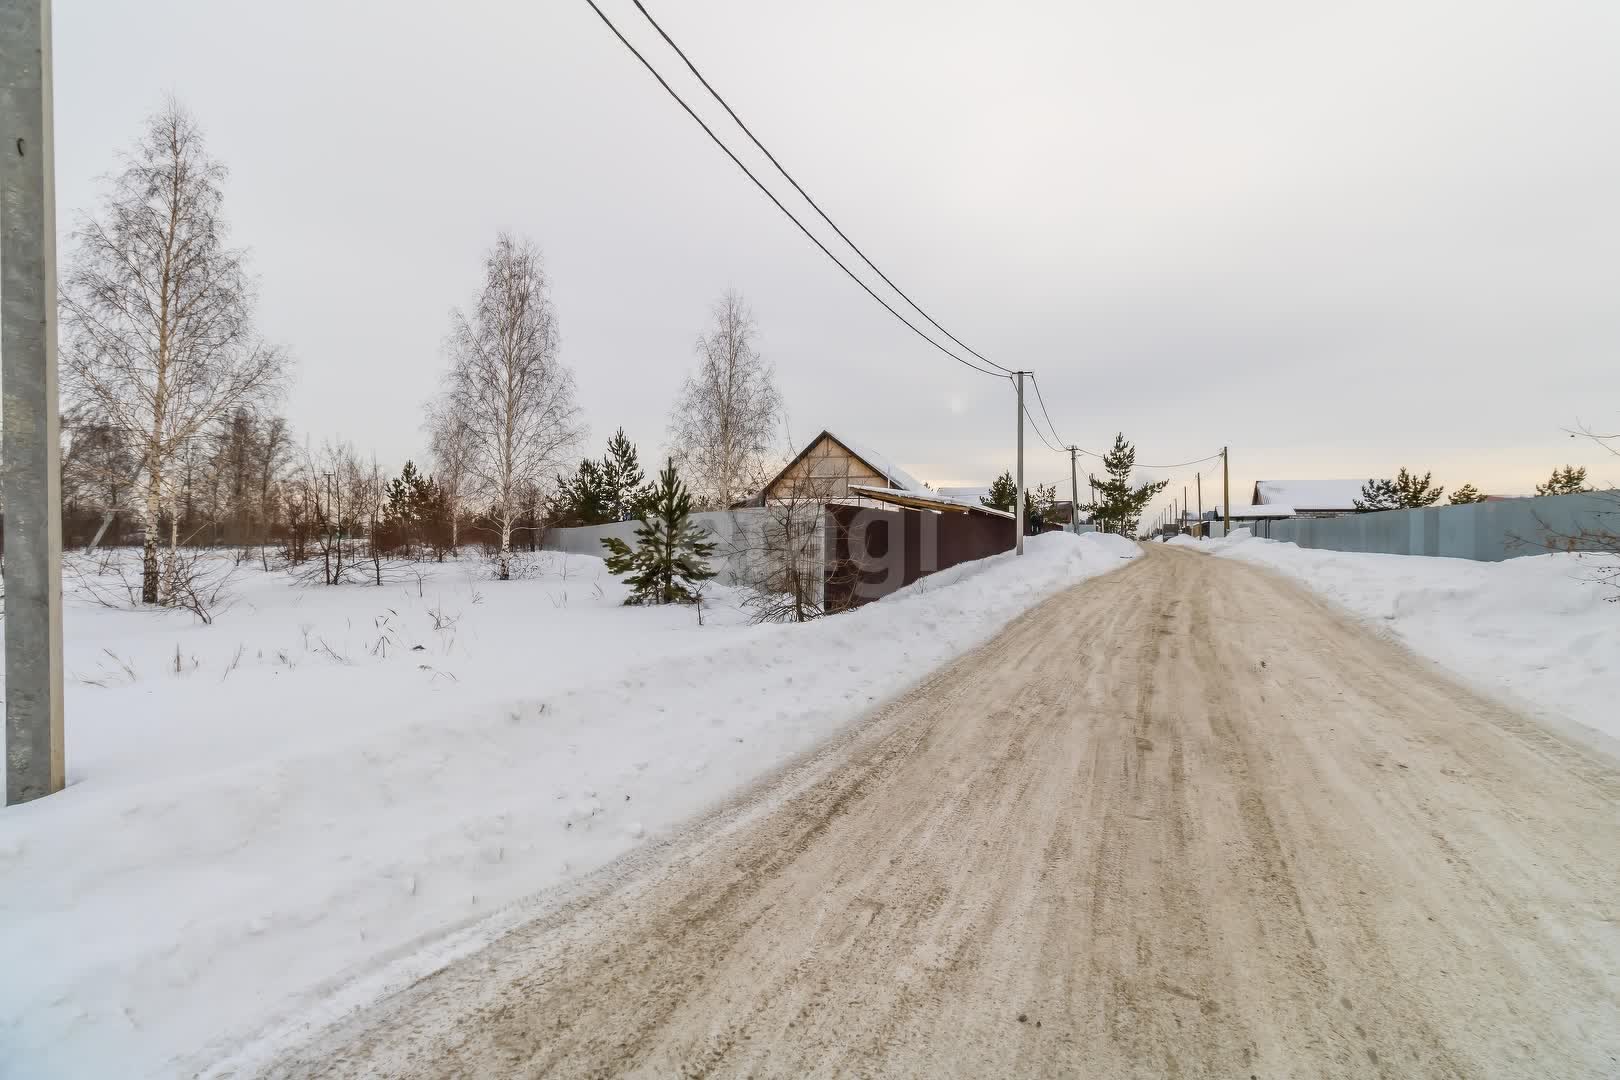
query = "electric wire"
{"x": 1040, "y": 435}
{"x": 1042, "y": 399}
{"x": 1000, "y": 372}
{"x": 1183, "y": 464}
{"x": 796, "y": 187}
{"x": 770, "y": 195}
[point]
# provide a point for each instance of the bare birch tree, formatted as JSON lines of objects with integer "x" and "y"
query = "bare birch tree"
{"x": 98, "y": 471}
{"x": 275, "y": 450}
{"x": 451, "y": 447}
{"x": 158, "y": 314}
{"x": 725, "y": 418}
{"x": 507, "y": 385}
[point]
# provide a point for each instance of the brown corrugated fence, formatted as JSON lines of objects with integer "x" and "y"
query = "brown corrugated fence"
{"x": 871, "y": 553}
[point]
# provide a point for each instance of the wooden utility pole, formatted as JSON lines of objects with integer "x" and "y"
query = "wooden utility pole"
{"x": 1198, "y": 478}
{"x": 1226, "y": 485}
{"x": 1074, "y": 491}
{"x": 1183, "y": 519}
{"x": 1020, "y": 510}
{"x": 32, "y": 476}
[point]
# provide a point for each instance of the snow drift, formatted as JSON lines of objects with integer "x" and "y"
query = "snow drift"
{"x": 1540, "y": 630}
{"x": 269, "y": 816}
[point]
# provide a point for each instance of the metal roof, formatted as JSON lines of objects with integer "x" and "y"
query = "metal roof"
{"x": 923, "y": 500}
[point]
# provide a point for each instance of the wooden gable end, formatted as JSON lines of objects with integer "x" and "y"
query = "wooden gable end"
{"x": 825, "y": 470}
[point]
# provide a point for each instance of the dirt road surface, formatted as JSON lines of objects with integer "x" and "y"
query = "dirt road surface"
{"x": 1184, "y": 820}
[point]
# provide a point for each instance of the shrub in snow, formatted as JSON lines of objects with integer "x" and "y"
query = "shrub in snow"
{"x": 670, "y": 556}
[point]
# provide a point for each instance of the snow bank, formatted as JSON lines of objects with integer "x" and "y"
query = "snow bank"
{"x": 1539, "y": 629}
{"x": 283, "y": 814}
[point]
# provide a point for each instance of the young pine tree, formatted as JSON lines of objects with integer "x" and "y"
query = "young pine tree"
{"x": 1118, "y": 506}
{"x": 1407, "y": 491}
{"x": 626, "y": 485}
{"x": 1468, "y": 493}
{"x": 1038, "y": 505}
{"x": 402, "y": 508}
{"x": 1413, "y": 493}
{"x": 1566, "y": 481}
{"x": 586, "y": 498}
{"x": 670, "y": 556}
{"x": 1378, "y": 495}
{"x": 1003, "y": 494}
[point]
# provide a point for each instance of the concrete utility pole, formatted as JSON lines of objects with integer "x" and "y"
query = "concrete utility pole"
{"x": 1020, "y": 481}
{"x": 1074, "y": 491}
{"x": 32, "y": 477}
{"x": 1182, "y": 520}
{"x": 1198, "y": 478}
{"x": 1226, "y": 485}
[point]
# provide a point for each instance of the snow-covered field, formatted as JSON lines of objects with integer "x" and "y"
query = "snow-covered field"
{"x": 327, "y": 791}
{"x": 1541, "y": 631}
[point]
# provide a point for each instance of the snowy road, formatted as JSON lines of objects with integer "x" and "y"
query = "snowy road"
{"x": 1182, "y": 820}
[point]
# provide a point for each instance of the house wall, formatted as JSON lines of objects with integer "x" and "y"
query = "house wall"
{"x": 1487, "y": 531}
{"x": 825, "y": 472}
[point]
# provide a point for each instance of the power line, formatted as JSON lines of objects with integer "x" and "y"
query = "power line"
{"x": 1065, "y": 449}
{"x": 813, "y": 204}
{"x": 1042, "y": 437}
{"x": 998, "y": 372}
{"x": 769, "y": 195}
{"x": 1053, "y": 426}
{"x": 1182, "y": 465}
{"x": 1042, "y": 399}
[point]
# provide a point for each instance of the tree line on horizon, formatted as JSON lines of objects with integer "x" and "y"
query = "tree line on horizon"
{"x": 171, "y": 397}
{"x": 171, "y": 401}
{"x": 1408, "y": 491}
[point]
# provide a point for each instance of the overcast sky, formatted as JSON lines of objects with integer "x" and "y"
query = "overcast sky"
{"x": 1338, "y": 237}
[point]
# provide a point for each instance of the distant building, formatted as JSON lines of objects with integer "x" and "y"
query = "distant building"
{"x": 1308, "y": 498}
{"x": 828, "y": 468}
{"x": 1062, "y": 509}
{"x": 1270, "y": 512}
{"x": 843, "y": 525}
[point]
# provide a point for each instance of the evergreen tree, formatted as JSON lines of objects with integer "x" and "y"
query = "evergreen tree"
{"x": 1405, "y": 492}
{"x": 1377, "y": 495}
{"x": 1566, "y": 481}
{"x": 1413, "y": 493}
{"x": 1038, "y": 505}
{"x": 405, "y": 495}
{"x": 1468, "y": 493}
{"x": 1118, "y": 506}
{"x": 585, "y": 498}
{"x": 409, "y": 500}
{"x": 1003, "y": 494}
{"x": 628, "y": 492}
{"x": 670, "y": 556}
{"x": 599, "y": 492}
{"x": 434, "y": 523}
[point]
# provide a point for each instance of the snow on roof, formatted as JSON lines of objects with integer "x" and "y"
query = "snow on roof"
{"x": 971, "y": 494}
{"x": 897, "y": 476}
{"x": 1309, "y": 494}
{"x": 929, "y": 496}
{"x": 1247, "y": 513}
